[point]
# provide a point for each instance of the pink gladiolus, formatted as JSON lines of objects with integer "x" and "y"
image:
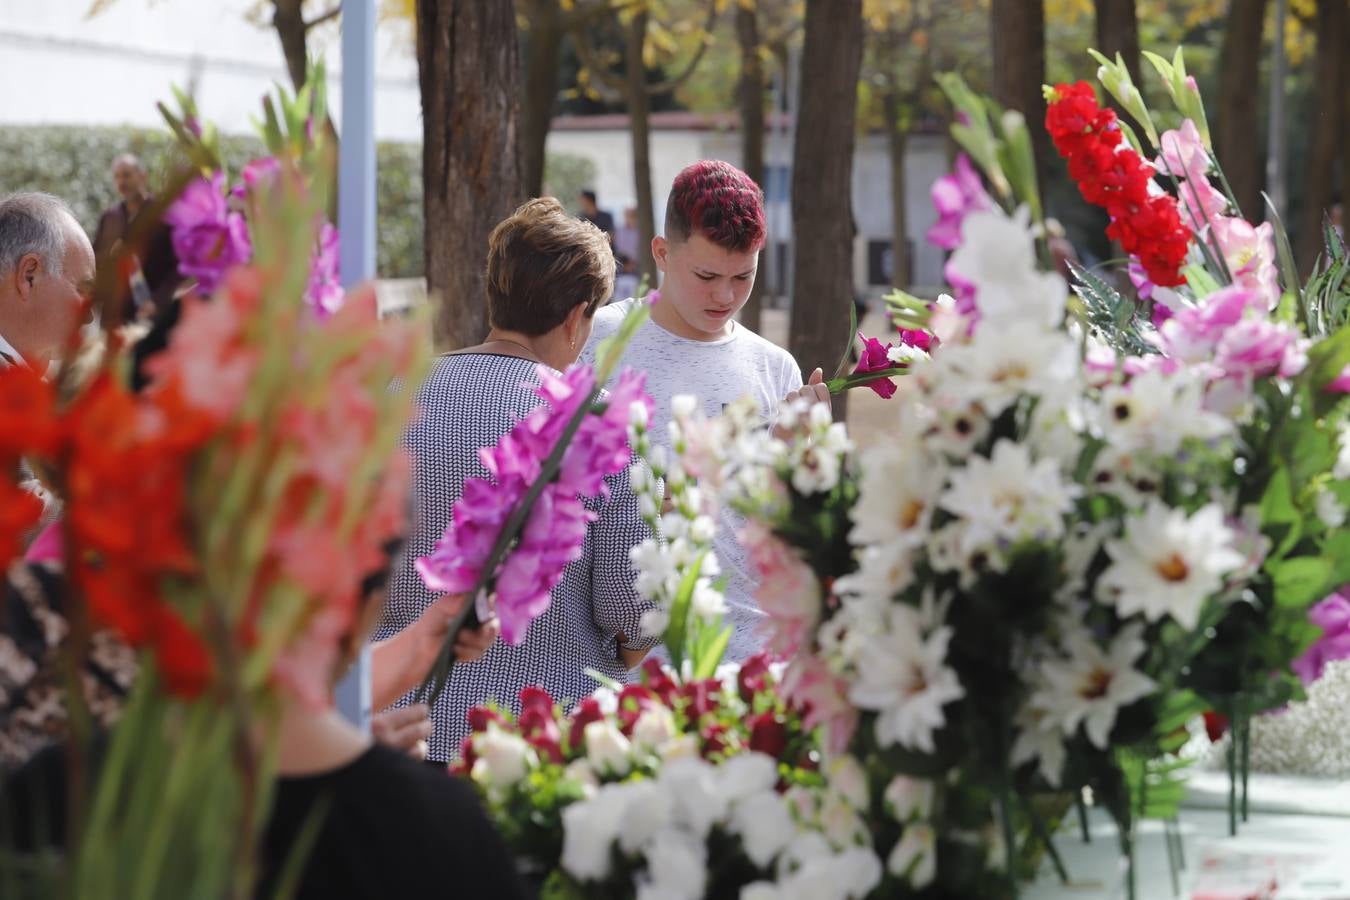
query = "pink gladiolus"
{"x": 1249, "y": 252}
{"x": 1332, "y": 615}
{"x": 1258, "y": 347}
{"x": 823, "y": 697}
{"x": 1183, "y": 153}
{"x": 875, "y": 359}
{"x": 788, "y": 591}
{"x": 1192, "y": 334}
{"x": 324, "y": 293}
{"x": 1341, "y": 383}
{"x": 955, "y": 196}
{"x": 208, "y": 237}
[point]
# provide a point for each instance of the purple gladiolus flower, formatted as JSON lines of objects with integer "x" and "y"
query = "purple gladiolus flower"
{"x": 875, "y": 358}
{"x": 208, "y": 237}
{"x": 1332, "y": 615}
{"x": 555, "y": 527}
{"x": 324, "y": 294}
{"x": 955, "y": 196}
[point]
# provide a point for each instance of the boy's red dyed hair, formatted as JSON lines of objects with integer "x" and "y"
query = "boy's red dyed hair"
{"x": 720, "y": 202}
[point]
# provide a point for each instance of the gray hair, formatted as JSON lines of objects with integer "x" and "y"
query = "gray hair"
{"x": 130, "y": 159}
{"x": 33, "y": 222}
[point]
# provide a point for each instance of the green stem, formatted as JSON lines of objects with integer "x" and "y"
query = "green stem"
{"x": 862, "y": 379}
{"x": 1245, "y": 763}
{"x": 1232, "y": 779}
{"x": 1081, "y": 804}
{"x": 1048, "y": 841}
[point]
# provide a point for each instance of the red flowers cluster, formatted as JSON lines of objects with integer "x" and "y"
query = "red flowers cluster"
{"x": 701, "y": 708}
{"x": 1118, "y": 179}
{"x": 124, "y": 460}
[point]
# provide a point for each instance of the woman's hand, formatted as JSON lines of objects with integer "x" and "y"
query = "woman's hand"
{"x": 405, "y": 729}
{"x": 400, "y": 663}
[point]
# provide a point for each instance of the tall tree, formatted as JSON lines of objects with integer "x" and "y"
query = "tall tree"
{"x": 1330, "y": 75}
{"x": 1237, "y": 132}
{"x": 288, "y": 18}
{"x": 1017, "y": 31}
{"x": 468, "y": 69}
{"x": 822, "y": 182}
{"x": 632, "y": 85}
{"x": 1118, "y": 32}
{"x": 759, "y": 33}
{"x": 546, "y": 24}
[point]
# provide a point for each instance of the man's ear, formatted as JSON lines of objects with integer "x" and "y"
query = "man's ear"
{"x": 660, "y": 252}
{"x": 25, "y": 275}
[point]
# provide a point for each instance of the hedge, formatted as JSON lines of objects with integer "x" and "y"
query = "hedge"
{"x": 74, "y": 163}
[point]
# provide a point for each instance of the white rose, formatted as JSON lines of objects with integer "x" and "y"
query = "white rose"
{"x": 607, "y": 750}
{"x": 915, "y": 856}
{"x": 503, "y": 758}
{"x": 608, "y": 700}
{"x": 649, "y": 810}
{"x": 654, "y": 727}
{"x": 909, "y": 798}
{"x": 682, "y": 406}
{"x": 747, "y": 774}
{"x": 764, "y": 825}
{"x": 677, "y": 865}
{"x": 579, "y": 772}
{"x": 684, "y": 746}
{"x": 589, "y": 830}
{"x": 760, "y": 890}
{"x": 846, "y": 777}
{"x": 696, "y": 794}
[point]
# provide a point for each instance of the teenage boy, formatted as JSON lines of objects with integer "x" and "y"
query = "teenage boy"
{"x": 708, "y": 256}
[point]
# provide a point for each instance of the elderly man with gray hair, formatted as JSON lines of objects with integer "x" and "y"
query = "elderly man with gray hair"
{"x": 46, "y": 278}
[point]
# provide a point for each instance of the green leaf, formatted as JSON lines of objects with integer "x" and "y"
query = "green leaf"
{"x": 1201, "y": 282}
{"x": 1288, "y": 271}
{"x": 1301, "y": 581}
{"x": 1111, "y": 314}
{"x": 848, "y": 344}
{"x": 677, "y": 631}
{"x": 710, "y": 656}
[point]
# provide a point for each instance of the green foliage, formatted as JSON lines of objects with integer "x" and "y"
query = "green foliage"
{"x": 1110, "y": 314}
{"x": 566, "y": 175}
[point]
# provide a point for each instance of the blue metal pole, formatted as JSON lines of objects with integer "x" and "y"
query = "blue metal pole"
{"x": 356, "y": 227}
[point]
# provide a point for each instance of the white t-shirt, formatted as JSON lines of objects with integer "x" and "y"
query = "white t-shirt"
{"x": 717, "y": 372}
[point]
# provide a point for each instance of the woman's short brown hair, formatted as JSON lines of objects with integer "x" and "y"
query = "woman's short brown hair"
{"x": 541, "y": 263}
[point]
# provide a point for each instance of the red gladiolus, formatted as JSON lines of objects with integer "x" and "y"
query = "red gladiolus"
{"x": 19, "y": 512}
{"x": 28, "y": 419}
{"x": 1148, "y": 227}
{"x": 768, "y": 735}
{"x": 180, "y": 655}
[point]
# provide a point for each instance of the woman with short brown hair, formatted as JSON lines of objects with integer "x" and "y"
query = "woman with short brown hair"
{"x": 547, "y": 274}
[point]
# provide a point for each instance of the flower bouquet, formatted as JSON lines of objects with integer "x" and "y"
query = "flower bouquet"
{"x": 221, "y": 522}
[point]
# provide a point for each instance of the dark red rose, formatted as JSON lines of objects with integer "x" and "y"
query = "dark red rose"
{"x": 701, "y": 697}
{"x": 533, "y": 696}
{"x": 714, "y": 737}
{"x": 1216, "y": 724}
{"x": 583, "y": 714}
{"x": 753, "y": 678}
{"x": 480, "y": 716}
{"x": 655, "y": 676}
{"x": 768, "y": 735}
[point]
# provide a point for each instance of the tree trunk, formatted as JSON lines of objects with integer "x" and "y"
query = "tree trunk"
{"x": 288, "y": 18}
{"x": 468, "y": 69}
{"x": 1118, "y": 32}
{"x": 1330, "y": 75}
{"x": 639, "y": 125}
{"x": 1018, "y": 38}
{"x": 752, "y": 137}
{"x": 1237, "y": 135}
{"x": 822, "y": 179}
{"x": 899, "y": 139}
{"x": 541, "y": 89}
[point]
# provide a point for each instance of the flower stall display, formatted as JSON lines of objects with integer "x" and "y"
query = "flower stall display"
{"x": 220, "y": 522}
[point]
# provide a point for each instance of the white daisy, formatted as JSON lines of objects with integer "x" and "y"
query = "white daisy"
{"x": 1156, "y": 412}
{"x": 901, "y": 674}
{"x": 1168, "y": 564}
{"x": 1091, "y": 686}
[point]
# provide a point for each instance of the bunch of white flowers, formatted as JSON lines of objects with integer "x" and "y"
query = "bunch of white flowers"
{"x": 665, "y": 825}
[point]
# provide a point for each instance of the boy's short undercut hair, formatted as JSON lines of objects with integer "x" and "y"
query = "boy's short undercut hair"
{"x": 720, "y": 202}
{"x": 541, "y": 263}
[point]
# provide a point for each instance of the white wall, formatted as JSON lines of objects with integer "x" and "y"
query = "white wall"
{"x": 60, "y": 67}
